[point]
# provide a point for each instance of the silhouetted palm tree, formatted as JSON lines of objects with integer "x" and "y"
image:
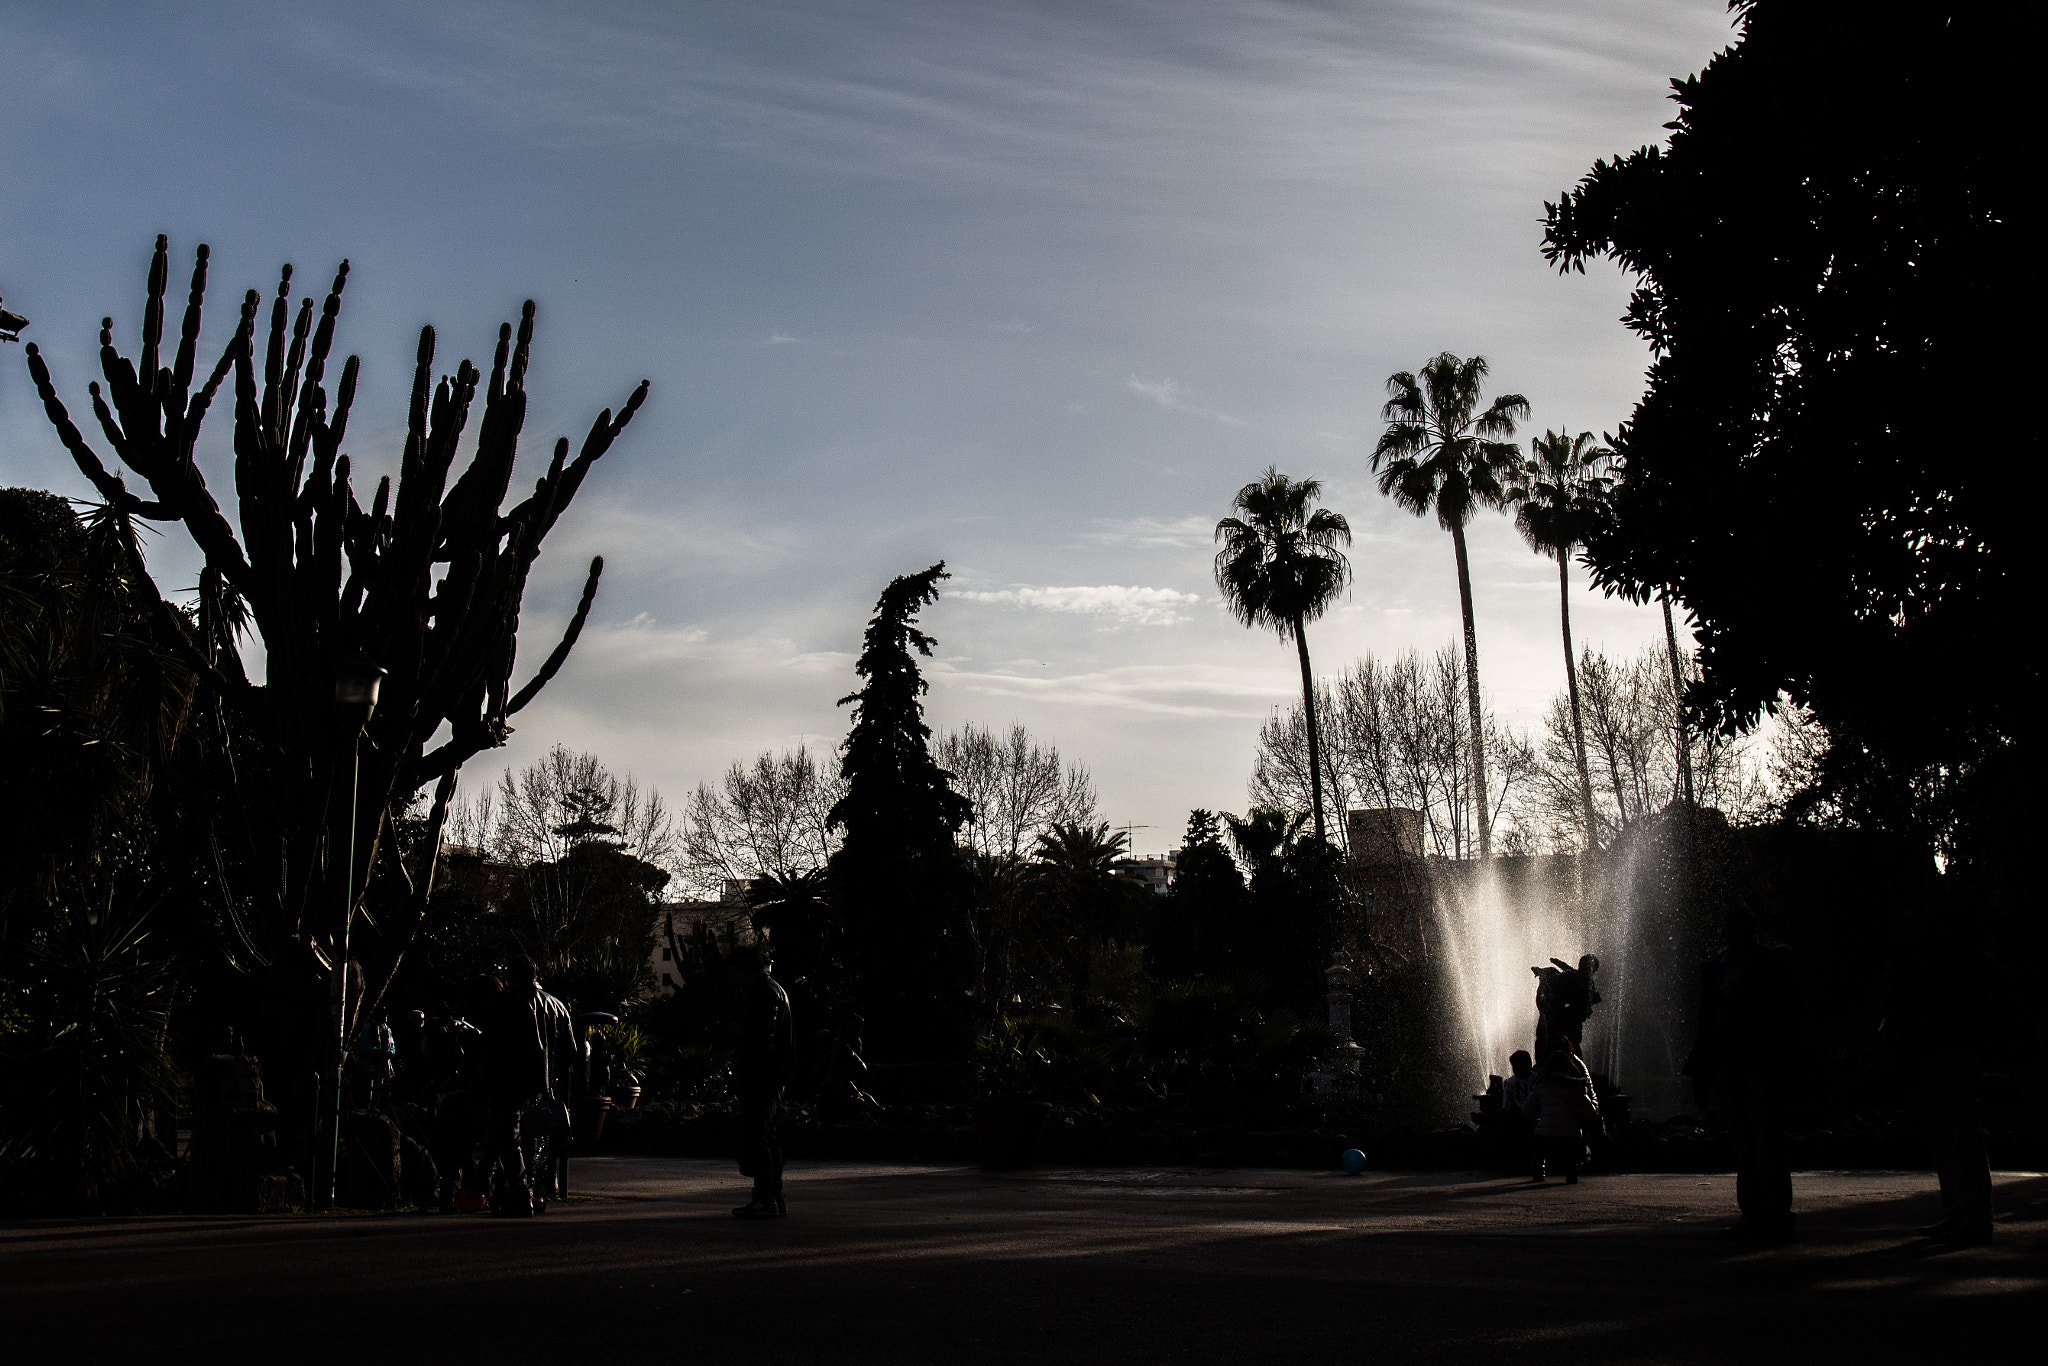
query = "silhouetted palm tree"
{"x": 1264, "y": 836}
{"x": 1557, "y": 497}
{"x": 1280, "y": 567}
{"x": 1437, "y": 456}
{"x": 1079, "y": 901}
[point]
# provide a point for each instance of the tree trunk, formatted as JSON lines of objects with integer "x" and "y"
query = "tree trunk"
{"x": 1571, "y": 680}
{"x": 419, "y": 890}
{"x": 1315, "y": 763}
{"x": 1472, "y": 697}
{"x": 1678, "y": 705}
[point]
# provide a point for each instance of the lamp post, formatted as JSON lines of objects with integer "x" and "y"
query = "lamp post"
{"x": 356, "y": 684}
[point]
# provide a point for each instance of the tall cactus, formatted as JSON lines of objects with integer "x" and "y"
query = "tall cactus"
{"x": 323, "y": 579}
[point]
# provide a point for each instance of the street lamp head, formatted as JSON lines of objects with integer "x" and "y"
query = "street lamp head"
{"x": 356, "y": 685}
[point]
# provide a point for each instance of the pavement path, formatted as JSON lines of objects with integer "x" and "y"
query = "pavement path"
{"x": 926, "y": 1264}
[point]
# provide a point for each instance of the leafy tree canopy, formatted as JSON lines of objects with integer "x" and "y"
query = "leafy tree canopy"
{"x": 93, "y": 700}
{"x": 1828, "y": 252}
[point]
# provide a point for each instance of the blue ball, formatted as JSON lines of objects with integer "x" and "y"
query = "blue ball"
{"x": 1354, "y": 1161}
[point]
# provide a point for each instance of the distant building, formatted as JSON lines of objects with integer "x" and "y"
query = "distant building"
{"x": 1153, "y": 872}
{"x": 726, "y": 919}
{"x": 1384, "y": 836}
{"x": 1390, "y": 874}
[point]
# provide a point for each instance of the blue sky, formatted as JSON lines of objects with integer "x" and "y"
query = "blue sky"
{"x": 1031, "y": 288}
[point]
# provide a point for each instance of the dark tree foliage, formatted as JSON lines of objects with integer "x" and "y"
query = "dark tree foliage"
{"x": 1080, "y": 908}
{"x": 1834, "y": 259}
{"x": 899, "y": 881}
{"x": 465, "y": 936}
{"x": 428, "y": 581}
{"x": 1196, "y": 926}
{"x": 793, "y": 911}
{"x": 588, "y": 920}
{"x": 93, "y": 699}
{"x": 1297, "y": 900}
{"x": 1278, "y": 926}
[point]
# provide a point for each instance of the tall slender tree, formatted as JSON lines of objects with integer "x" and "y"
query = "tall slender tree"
{"x": 1556, "y": 498}
{"x": 1441, "y": 453}
{"x": 1281, "y": 566}
{"x": 898, "y": 879}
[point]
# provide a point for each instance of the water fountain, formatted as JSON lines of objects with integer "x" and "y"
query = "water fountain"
{"x": 1487, "y": 925}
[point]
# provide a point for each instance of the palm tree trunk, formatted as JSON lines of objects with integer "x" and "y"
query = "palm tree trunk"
{"x": 1571, "y": 681}
{"x": 1472, "y": 696}
{"x": 1678, "y": 705}
{"x": 1315, "y": 762}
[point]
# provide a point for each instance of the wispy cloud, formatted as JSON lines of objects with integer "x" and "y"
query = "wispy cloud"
{"x": 1177, "y": 396}
{"x": 1124, "y": 606}
{"x": 662, "y": 543}
{"x": 1179, "y": 690}
{"x": 1180, "y": 533}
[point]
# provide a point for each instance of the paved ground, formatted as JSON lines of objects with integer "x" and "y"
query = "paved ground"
{"x": 914, "y": 1264}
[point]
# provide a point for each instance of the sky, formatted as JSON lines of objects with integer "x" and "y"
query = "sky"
{"x": 1030, "y": 288}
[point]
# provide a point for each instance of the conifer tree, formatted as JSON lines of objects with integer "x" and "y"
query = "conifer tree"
{"x": 898, "y": 878}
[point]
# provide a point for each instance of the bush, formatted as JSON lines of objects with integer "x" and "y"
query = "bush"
{"x": 84, "y": 1067}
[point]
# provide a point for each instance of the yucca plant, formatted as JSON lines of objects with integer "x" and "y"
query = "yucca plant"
{"x": 1010, "y": 1063}
{"x": 87, "y": 1062}
{"x": 629, "y": 1050}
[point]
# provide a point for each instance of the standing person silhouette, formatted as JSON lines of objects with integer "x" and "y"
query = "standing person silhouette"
{"x": 761, "y": 1068}
{"x": 1559, "y": 1106}
{"x": 1934, "y": 1025}
{"x": 518, "y": 1025}
{"x": 1746, "y": 1021}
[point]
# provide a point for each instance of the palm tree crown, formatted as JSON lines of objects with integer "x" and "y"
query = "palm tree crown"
{"x": 1560, "y": 491}
{"x": 1080, "y": 901}
{"x": 1282, "y": 566}
{"x": 1435, "y": 455}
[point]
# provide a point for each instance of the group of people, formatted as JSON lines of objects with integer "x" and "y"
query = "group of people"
{"x": 494, "y": 1080}
{"x": 1552, "y": 1108}
{"x": 1548, "y": 1110}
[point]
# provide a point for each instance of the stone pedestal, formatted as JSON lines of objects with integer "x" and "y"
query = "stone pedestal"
{"x": 1341, "y": 1066}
